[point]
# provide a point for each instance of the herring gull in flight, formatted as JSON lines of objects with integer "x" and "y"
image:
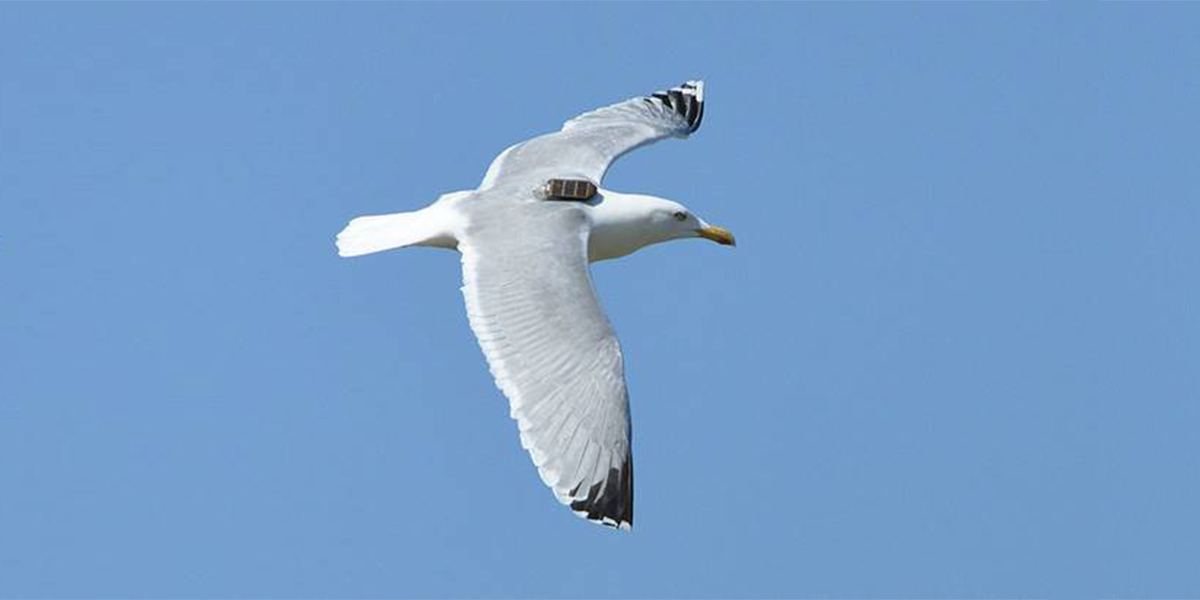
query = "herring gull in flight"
{"x": 527, "y": 235}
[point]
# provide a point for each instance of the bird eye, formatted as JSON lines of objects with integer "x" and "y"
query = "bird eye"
{"x": 680, "y": 216}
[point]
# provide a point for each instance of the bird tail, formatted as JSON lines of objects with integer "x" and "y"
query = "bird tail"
{"x": 377, "y": 233}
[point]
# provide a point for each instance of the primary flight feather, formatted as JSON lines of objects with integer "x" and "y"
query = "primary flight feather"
{"x": 529, "y": 293}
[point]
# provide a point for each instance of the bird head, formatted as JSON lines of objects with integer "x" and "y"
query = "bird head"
{"x": 623, "y": 223}
{"x": 673, "y": 220}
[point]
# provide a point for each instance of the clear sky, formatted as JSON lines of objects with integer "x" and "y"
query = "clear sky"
{"x": 954, "y": 355}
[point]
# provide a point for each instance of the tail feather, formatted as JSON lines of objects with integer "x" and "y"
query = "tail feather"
{"x": 376, "y": 233}
{"x": 435, "y": 225}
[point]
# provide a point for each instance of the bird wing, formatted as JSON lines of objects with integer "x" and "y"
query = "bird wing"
{"x": 588, "y": 144}
{"x": 552, "y": 351}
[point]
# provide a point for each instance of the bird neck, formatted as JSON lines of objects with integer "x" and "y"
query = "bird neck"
{"x": 621, "y": 224}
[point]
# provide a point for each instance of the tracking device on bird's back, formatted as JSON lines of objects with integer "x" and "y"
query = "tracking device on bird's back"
{"x": 568, "y": 189}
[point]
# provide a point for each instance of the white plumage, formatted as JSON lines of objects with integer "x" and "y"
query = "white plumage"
{"x": 529, "y": 293}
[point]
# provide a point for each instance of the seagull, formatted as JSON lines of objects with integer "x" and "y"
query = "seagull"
{"x": 527, "y": 235}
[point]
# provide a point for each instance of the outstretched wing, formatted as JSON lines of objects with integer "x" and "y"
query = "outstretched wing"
{"x": 589, "y": 143}
{"x": 532, "y": 306}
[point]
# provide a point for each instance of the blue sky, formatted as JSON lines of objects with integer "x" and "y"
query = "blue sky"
{"x": 954, "y": 354}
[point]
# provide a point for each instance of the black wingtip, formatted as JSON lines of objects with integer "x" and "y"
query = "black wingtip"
{"x": 687, "y": 100}
{"x": 610, "y": 502}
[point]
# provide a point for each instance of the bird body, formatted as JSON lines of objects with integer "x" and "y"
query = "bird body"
{"x": 618, "y": 224}
{"x": 529, "y": 294}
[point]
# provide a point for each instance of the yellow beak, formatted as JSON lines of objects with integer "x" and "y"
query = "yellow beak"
{"x": 719, "y": 235}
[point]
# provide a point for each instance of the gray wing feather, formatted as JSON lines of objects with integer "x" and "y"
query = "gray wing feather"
{"x": 531, "y": 302}
{"x": 588, "y": 144}
{"x": 532, "y": 305}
